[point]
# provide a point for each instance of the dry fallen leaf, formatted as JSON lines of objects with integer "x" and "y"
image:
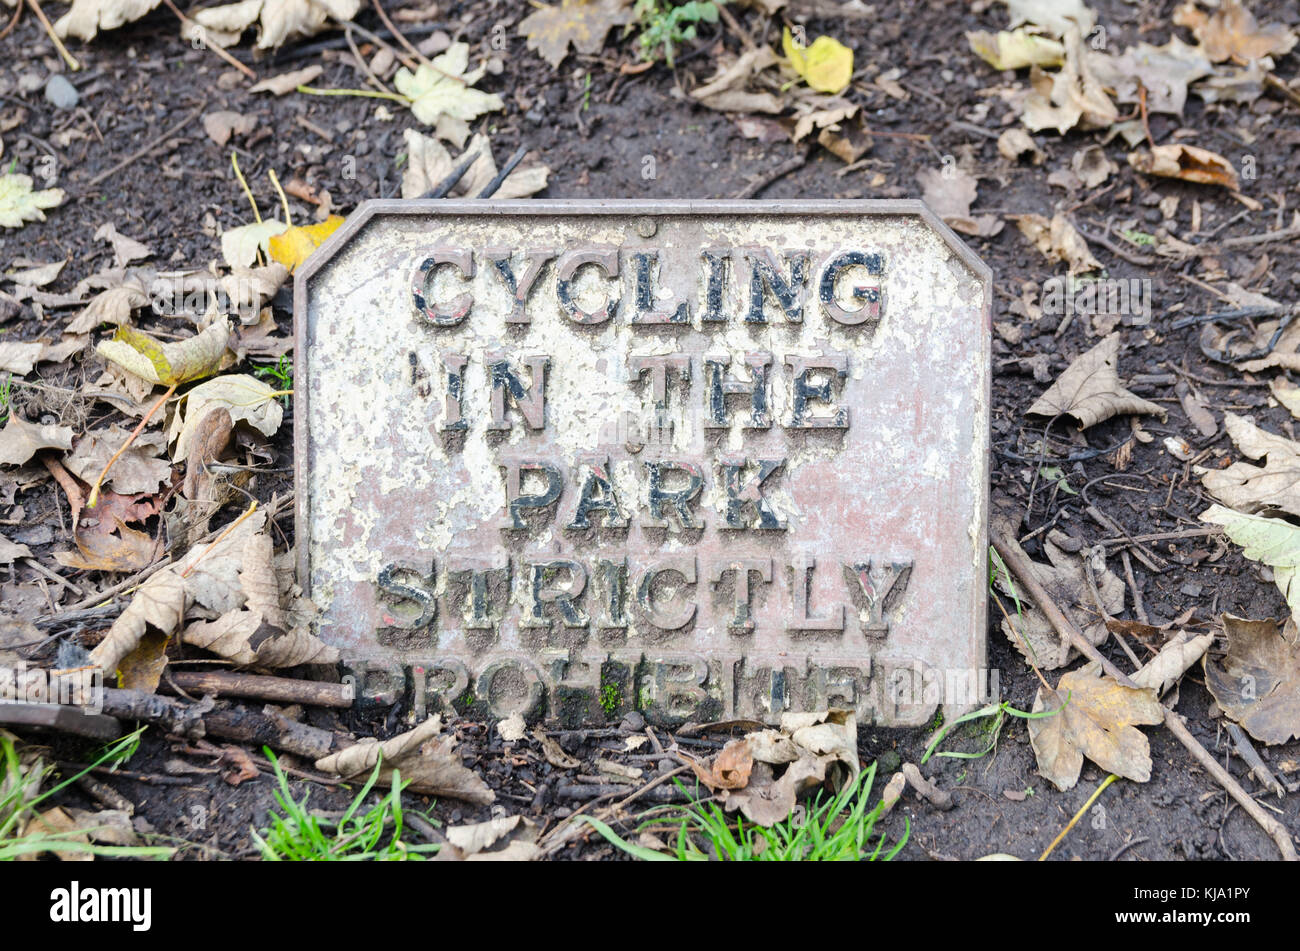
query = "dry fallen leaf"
{"x": 20, "y": 440}
{"x": 1257, "y": 683}
{"x": 1015, "y": 142}
{"x": 246, "y": 398}
{"x": 1090, "y": 390}
{"x": 949, "y": 192}
{"x": 1065, "y": 579}
{"x": 85, "y": 18}
{"x": 142, "y": 668}
{"x": 1187, "y": 162}
{"x": 168, "y": 364}
{"x": 1015, "y": 49}
{"x": 1070, "y": 97}
{"x": 1097, "y": 721}
{"x": 137, "y": 471}
{"x": 1167, "y": 667}
{"x": 158, "y": 605}
{"x": 1058, "y": 240}
{"x": 426, "y": 758}
{"x": 286, "y": 83}
{"x": 1273, "y": 486}
{"x": 583, "y": 23}
{"x": 1232, "y": 32}
{"x": 259, "y": 632}
{"x": 224, "y": 123}
{"x": 429, "y": 162}
{"x": 504, "y": 839}
{"x": 1163, "y": 71}
{"x": 278, "y": 20}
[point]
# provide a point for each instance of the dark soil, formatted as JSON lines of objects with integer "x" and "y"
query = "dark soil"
{"x": 142, "y": 80}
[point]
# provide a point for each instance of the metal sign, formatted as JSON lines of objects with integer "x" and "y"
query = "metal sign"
{"x": 702, "y": 459}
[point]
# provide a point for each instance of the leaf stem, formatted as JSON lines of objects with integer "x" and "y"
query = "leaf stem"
{"x": 1077, "y": 816}
{"x": 367, "y": 93}
{"x": 93, "y": 498}
{"x": 288, "y": 219}
{"x": 58, "y": 44}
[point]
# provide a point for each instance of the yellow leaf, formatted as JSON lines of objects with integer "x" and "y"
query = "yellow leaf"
{"x": 297, "y": 243}
{"x": 826, "y": 65}
{"x": 1017, "y": 48}
{"x": 168, "y": 364}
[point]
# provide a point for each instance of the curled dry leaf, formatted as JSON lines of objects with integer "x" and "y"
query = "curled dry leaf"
{"x": 1257, "y": 683}
{"x": 113, "y": 306}
{"x": 259, "y": 632}
{"x": 1090, "y": 390}
{"x": 1098, "y": 722}
{"x": 583, "y": 23}
{"x": 286, "y": 83}
{"x": 1187, "y": 162}
{"x": 168, "y": 364}
{"x": 159, "y": 605}
{"x": 278, "y": 20}
{"x": 424, "y": 756}
{"x": 1015, "y": 142}
{"x": 20, "y": 440}
{"x": 1015, "y": 49}
{"x": 727, "y": 92}
{"x": 1275, "y": 485}
{"x": 1092, "y": 166}
{"x": 554, "y": 753}
{"x": 211, "y": 436}
{"x": 1167, "y": 667}
{"x": 125, "y": 250}
{"x": 246, "y": 398}
{"x": 224, "y": 123}
{"x": 730, "y": 769}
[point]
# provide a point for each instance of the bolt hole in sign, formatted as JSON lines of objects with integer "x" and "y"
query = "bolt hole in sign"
{"x": 700, "y": 459}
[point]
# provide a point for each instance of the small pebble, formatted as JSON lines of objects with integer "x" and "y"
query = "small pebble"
{"x": 61, "y": 93}
{"x": 634, "y": 722}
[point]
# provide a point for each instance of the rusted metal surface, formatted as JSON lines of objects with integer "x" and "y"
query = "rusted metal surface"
{"x": 699, "y": 458}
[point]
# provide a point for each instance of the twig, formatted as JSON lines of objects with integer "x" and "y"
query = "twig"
{"x": 157, "y": 144}
{"x": 1142, "y": 106}
{"x": 730, "y": 20}
{"x": 1266, "y": 237}
{"x": 782, "y": 170}
{"x": 1017, "y": 562}
{"x": 1138, "y": 607}
{"x": 201, "y": 33}
{"x": 57, "y": 579}
{"x": 278, "y": 689}
{"x": 1283, "y": 88}
{"x": 13, "y": 22}
{"x": 1246, "y": 750}
{"x": 397, "y": 34}
{"x": 58, "y": 44}
{"x": 491, "y": 187}
{"x": 361, "y": 62}
{"x": 1141, "y": 260}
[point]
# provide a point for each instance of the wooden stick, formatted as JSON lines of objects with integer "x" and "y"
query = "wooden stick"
{"x": 397, "y": 34}
{"x": 277, "y": 689}
{"x": 18, "y": 12}
{"x": 1018, "y": 562}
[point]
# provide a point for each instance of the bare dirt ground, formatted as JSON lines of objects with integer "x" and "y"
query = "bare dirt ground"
{"x": 142, "y": 85}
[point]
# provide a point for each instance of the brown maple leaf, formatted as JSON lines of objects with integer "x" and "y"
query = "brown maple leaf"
{"x": 582, "y": 23}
